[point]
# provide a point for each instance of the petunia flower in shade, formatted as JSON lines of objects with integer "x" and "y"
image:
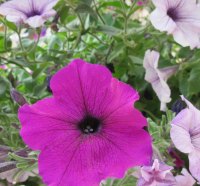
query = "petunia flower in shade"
{"x": 185, "y": 134}
{"x": 31, "y": 12}
{"x": 89, "y": 130}
{"x": 179, "y": 163}
{"x": 158, "y": 77}
{"x": 159, "y": 174}
{"x": 180, "y": 18}
{"x": 185, "y": 179}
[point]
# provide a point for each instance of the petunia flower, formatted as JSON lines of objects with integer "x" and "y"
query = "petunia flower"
{"x": 89, "y": 130}
{"x": 42, "y": 34}
{"x": 159, "y": 174}
{"x": 31, "y": 12}
{"x": 3, "y": 67}
{"x": 142, "y": 2}
{"x": 185, "y": 134}
{"x": 179, "y": 163}
{"x": 158, "y": 77}
{"x": 181, "y": 18}
{"x": 185, "y": 179}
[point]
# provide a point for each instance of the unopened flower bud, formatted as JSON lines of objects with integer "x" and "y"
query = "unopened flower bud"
{"x": 18, "y": 97}
{"x": 178, "y": 105}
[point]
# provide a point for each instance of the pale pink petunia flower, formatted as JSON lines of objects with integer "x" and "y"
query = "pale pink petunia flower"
{"x": 88, "y": 130}
{"x": 185, "y": 179}
{"x": 158, "y": 77}
{"x": 185, "y": 134}
{"x": 159, "y": 174}
{"x": 31, "y": 12}
{"x": 181, "y": 18}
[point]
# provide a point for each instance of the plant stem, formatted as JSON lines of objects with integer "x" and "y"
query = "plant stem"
{"x": 5, "y": 37}
{"x": 97, "y": 11}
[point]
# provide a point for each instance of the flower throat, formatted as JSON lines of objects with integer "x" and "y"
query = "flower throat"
{"x": 89, "y": 125}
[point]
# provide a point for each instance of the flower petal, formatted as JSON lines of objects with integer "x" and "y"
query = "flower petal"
{"x": 15, "y": 7}
{"x": 181, "y": 139}
{"x": 184, "y": 38}
{"x": 44, "y": 5}
{"x": 73, "y": 161}
{"x": 180, "y": 18}
{"x": 18, "y": 15}
{"x": 80, "y": 85}
{"x": 35, "y": 21}
{"x": 193, "y": 111}
{"x": 161, "y": 4}
{"x": 162, "y": 90}
{"x": 118, "y": 108}
{"x": 157, "y": 77}
{"x": 151, "y": 64}
{"x": 185, "y": 179}
{"x": 161, "y": 21}
{"x": 47, "y": 122}
{"x": 194, "y": 159}
{"x": 49, "y": 13}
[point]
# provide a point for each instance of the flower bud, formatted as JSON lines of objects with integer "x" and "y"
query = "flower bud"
{"x": 17, "y": 97}
{"x": 178, "y": 105}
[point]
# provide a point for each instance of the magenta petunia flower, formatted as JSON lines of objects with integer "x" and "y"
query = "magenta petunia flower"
{"x": 185, "y": 134}
{"x": 31, "y": 12}
{"x": 89, "y": 130}
{"x": 181, "y": 18}
{"x": 159, "y": 174}
{"x": 158, "y": 77}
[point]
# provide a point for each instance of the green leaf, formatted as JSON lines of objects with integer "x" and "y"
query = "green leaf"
{"x": 136, "y": 60}
{"x": 64, "y": 14}
{"x": 109, "y": 30}
{"x": 111, "y": 3}
{"x": 84, "y": 8}
{"x": 194, "y": 80}
{"x": 4, "y": 85}
{"x": 87, "y": 2}
{"x": 11, "y": 25}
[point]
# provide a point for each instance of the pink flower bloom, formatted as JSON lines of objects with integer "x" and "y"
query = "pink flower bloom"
{"x": 3, "y": 67}
{"x": 185, "y": 134}
{"x": 142, "y": 2}
{"x": 159, "y": 174}
{"x": 89, "y": 130}
{"x": 185, "y": 179}
{"x": 31, "y": 12}
{"x": 158, "y": 77}
{"x": 180, "y": 18}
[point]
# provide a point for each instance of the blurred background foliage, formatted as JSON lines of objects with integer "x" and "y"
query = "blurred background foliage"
{"x": 115, "y": 33}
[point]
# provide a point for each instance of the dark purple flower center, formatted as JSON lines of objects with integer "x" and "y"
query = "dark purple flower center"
{"x": 89, "y": 125}
{"x": 172, "y": 13}
{"x": 33, "y": 13}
